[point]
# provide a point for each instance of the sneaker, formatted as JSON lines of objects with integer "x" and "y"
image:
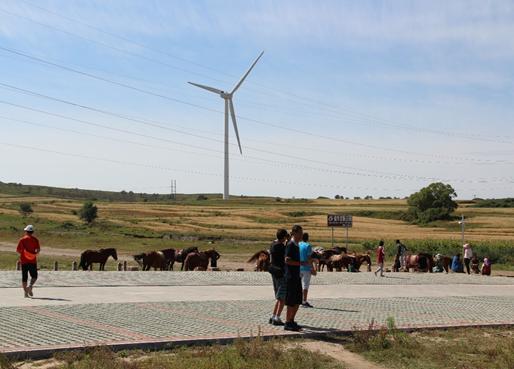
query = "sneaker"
{"x": 307, "y": 305}
{"x": 270, "y": 320}
{"x": 291, "y": 326}
{"x": 278, "y": 321}
{"x": 29, "y": 291}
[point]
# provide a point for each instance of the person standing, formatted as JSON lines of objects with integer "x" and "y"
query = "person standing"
{"x": 277, "y": 271}
{"x": 380, "y": 258}
{"x": 306, "y": 271}
{"x": 28, "y": 248}
{"x": 401, "y": 253}
{"x": 468, "y": 254}
{"x": 293, "y": 281}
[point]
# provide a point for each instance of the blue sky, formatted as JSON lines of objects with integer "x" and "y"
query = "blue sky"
{"x": 350, "y": 98}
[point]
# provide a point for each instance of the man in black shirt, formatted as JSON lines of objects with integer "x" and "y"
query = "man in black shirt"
{"x": 293, "y": 281}
{"x": 277, "y": 270}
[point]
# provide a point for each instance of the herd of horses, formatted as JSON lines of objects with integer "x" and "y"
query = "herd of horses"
{"x": 190, "y": 258}
{"x": 334, "y": 259}
{"x": 338, "y": 258}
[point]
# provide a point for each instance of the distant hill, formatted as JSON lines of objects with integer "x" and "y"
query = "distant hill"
{"x": 495, "y": 203}
{"x": 19, "y": 189}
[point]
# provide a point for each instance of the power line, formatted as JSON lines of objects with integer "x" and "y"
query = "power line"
{"x": 368, "y": 119}
{"x": 162, "y": 125}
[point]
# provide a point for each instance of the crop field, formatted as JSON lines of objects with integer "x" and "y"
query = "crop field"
{"x": 244, "y": 225}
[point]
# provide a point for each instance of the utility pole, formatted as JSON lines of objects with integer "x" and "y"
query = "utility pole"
{"x": 462, "y": 223}
{"x": 173, "y": 194}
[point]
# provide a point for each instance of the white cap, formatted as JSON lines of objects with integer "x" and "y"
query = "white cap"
{"x": 29, "y": 228}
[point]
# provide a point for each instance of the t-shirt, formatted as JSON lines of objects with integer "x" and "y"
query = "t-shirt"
{"x": 401, "y": 249}
{"x": 27, "y": 247}
{"x": 305, "y": 254}
{"x": 278, "y": 254}
{"x": 468, "y": 252}
{"x": 380, "y": 255}
{"x": 292, "y": 252}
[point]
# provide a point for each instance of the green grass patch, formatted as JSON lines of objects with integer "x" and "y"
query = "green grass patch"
{"x": 253, "y": 354}
{"x": 460, "y": 348}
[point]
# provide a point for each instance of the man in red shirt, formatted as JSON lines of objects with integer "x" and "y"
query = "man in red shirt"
{"x": 28, "y": 248}
{"x": 380, "y": 258}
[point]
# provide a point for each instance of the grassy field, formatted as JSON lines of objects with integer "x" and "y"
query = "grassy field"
{"x": 460, "y": 348}
{"x": 244, "y": 225}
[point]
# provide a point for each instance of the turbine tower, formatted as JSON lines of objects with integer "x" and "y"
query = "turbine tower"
{"x": 229, "y": 105}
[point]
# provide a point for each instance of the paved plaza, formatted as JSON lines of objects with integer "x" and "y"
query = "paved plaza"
{"x": 127, "y": 309}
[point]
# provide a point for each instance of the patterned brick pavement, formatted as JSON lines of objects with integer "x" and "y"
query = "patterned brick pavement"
{"x": 52, "y": 327}
{"x": 10, "y": 279}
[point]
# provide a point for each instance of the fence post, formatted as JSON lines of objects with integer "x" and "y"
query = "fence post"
{"x": 74, "y": 266}
{"x": 56, "y": 266}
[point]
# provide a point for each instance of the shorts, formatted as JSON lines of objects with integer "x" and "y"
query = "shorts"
{"x": 279, "y": 286}
{"x": 26, "y": 269}
{"x": 294, "y": 292}
{"x": 306, "y": 279}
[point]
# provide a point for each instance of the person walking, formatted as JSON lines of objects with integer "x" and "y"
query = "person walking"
{"x": 306, "y": 271}
{"x": 277, "y": 271}
{"x": 293, "y": 281}
{"x": 28, "y": 248}
{"x": 401, "y": 253}
{"x": 468, "y": 254}
{"x": 380, "y": 258}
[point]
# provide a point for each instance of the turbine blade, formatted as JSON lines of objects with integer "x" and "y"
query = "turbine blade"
{"x": 233, "y": 114}
{"x": 211, "y": 89}
{"x": 246, "y": 74}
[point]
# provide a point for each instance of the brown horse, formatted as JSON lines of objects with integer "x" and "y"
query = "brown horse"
{"x": 262, "y": 260}
{"x": 153, "y": 259}
{"x": 200, "y": 259}
{"x": 421, "y": 262}
{"x": 338, "y": 262}
{"x": 361, "y": 259}
{"x": 325, "y": 255}
{"x": 169, "y": 255}
{"x": 180, "y": 255}
{"x": 88, "y": 257}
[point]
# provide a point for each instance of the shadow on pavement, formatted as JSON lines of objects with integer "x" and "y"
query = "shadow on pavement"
{"x": 49, "y": 299}
{"x": 334, "y": 309}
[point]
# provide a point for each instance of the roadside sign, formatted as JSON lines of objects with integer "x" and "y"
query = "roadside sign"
{"x": 339, "y": 220}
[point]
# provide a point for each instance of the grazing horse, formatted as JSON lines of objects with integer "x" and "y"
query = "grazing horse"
{"x": 262, "y": 260}
{"x": 421, "y": 262}
{"x": 180, "y": 255}
{"x": 169, "y": 255}
{"x": 324, "y": 255}
{"x": 338, "y": 262}
{"x": 200, "y": 259}
{"x": 88, "y": 257}
{"x": 153, "y": 259}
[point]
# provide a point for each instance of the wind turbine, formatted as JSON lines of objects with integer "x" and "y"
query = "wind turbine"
{"x": 229, "y": 105}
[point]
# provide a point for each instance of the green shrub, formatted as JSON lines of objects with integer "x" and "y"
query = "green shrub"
{"x": 26, "y": 209}
{"x": 88, "y": 212}
{"x": 434, "y": 202}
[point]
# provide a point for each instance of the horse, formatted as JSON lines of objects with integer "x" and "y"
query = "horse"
{"x": 88, "y": 257}
{"x": 200, "y": 259}
{"x": 180, "y": 255}
{"x": 324, "y": 255}
{"x": 338, "y": 262}
{"x": 361, "y": 259}
{"x": 153, "y": 259}
{"x": 169, "y": 255}
{"x": 421, "y": 262}
{"x": 262, "y": 260}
